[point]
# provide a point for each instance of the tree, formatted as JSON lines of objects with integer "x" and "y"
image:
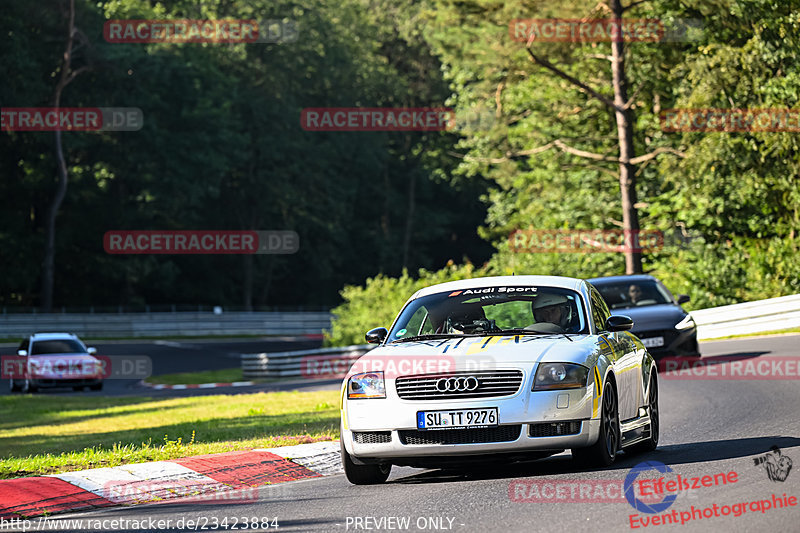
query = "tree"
{"x": 66, "y": 76}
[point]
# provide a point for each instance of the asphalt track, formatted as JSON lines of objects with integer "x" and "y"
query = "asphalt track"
{"x": 174, "y": 356}
{"x": 708, "y": 427}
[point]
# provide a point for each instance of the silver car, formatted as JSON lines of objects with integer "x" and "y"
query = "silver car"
{"x": 49, "y": 360}
{"x": 498, "y": 369}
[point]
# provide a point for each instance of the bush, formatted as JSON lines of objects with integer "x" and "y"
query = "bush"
{"x": 378, "y": 302}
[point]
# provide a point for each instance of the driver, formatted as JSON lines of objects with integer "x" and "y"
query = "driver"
{"x": 552, "y": 308}
{"x": 635, "y": 293}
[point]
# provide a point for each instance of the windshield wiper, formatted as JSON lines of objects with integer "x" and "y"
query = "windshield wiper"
{"x": 523, "y": 331}
{"x": 434, "y": 336}
{"x": 515, "y": 331}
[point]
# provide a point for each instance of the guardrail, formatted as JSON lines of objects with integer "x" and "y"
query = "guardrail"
{"x": 167, "y": 324}
{"x": 320, "y": 363}
{"x": 749, "y": 317}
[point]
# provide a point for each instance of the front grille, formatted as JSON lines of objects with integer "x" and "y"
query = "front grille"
{"x": 490, "y": 384}
{"x": 461, "y": 436}
{"x": 372, "y": 437}
{"x": 555, "y": 429}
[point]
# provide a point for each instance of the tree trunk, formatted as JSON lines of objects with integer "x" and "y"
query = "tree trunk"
{"x": 48, "y": 269}
{"x": 412, "y": 203}
{"x": 412, "y": 191}
{"x": 627, "y": 175}
{"x": 48, "y": 265}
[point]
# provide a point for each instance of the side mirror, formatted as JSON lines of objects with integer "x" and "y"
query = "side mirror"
{"x": 619, "y": 323}
{"x": 91, "y": 350}
{"x": 683, "y": 298}
{"x": 376, "y": 335}
{"x": 22, "y": 353}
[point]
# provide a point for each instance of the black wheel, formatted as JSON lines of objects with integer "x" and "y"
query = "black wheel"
{"x": 604, "y": 451}
{"x": 28, "y": 386}
{"x": 13, "y": 385}
{"x": 96, "y": 386}
{"x": 651, "y": 442}
{"x": 364, "y": 474}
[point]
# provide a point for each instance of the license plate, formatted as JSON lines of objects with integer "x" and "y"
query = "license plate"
{"x": 653, "y": 342}
{"x": 457, "y": 418}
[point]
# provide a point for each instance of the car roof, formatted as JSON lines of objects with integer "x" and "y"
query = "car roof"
{"x": 622, "y": 279}
{"x": 502, "y": 281}
{"x": 52, "y": 336}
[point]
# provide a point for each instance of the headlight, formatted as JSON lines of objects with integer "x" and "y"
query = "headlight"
{"x": 366, "y": 385}
{"x": 553, "y": 376}
{"x": 686, "y": 323}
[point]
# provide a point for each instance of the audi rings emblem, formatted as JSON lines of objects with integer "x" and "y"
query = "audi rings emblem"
{"x": 461, "y": 384}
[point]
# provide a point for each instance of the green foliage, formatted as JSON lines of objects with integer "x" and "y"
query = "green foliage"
{"x": 730, "y": 208}
{"x": 377, "y": 303}
{"x": 222, "y": 148}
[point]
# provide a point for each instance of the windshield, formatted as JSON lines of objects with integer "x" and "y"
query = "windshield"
{"x": 633, "y": 293}
{"x": 57, "y": 346}
{"x": 487, "y": 310}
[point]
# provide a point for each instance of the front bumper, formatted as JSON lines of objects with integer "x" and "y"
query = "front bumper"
{"x": 676, "y": 342}
{"x": 49, "y": 382}
{"x": 374, "y": 418}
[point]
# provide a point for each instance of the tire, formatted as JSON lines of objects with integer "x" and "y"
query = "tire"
{"x": 364, "y": 474}
{"x": 13, "y": 385}
{"x": 655, "y": 423}
{"x": 28, "y": 387}
{"x": 604, "y": 451}
{"x": 96, "y": 386}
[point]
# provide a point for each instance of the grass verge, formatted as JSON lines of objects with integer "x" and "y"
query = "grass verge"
{"x": 43, "y": 434}
{"x": 226, "y": 375}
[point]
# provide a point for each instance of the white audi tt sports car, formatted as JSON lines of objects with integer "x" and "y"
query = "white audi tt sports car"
{"x": 498, "y": 369}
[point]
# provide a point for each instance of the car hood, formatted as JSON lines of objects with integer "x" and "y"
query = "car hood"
{"x": 471, "y": 353}
{"x": 647, "y": 317}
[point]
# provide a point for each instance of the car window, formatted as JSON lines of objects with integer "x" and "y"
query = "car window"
{"x": 56, "y": 346}
{"x": 509, "y": 314}
{"x": 600, "y": 312}
{"x": 491, "y": 309}
{"x": 620, "y": 295}
{"x": 418, "y": 324}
